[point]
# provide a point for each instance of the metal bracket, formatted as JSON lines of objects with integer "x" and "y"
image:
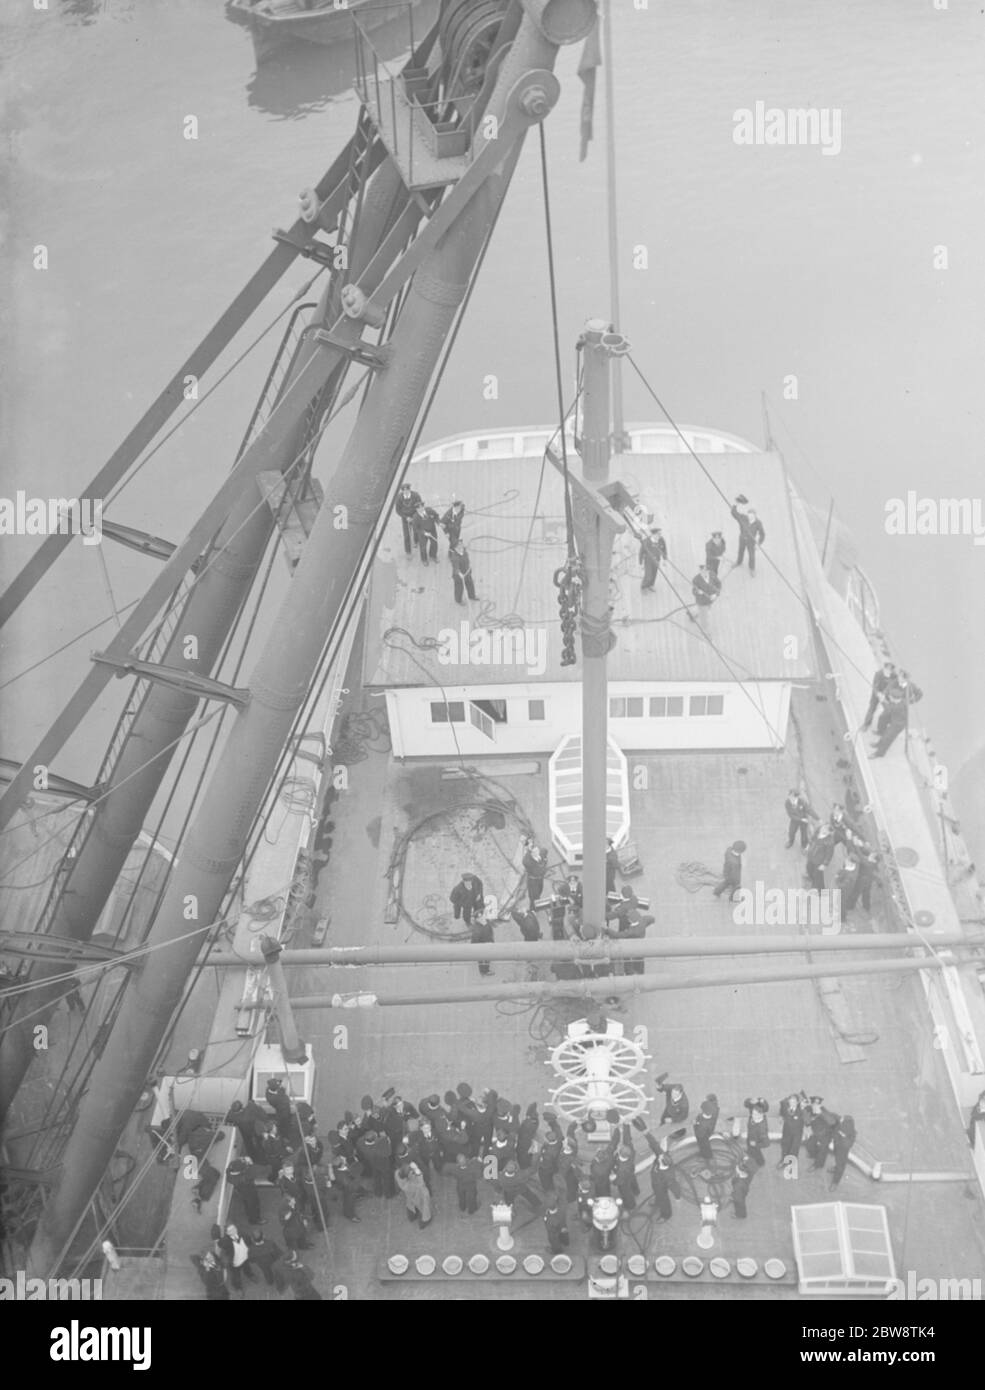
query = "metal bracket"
{"x": 203, "y": 687}
{"x": 139, "y": 540}
{"x": 363, "y": 353}
{"x": 593, "y": 497}
{"x": 316, "y": 251}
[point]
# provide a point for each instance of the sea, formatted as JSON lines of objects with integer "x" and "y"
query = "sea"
{"x": 844, "y": 279}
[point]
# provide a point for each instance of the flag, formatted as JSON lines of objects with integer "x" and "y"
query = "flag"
{"x": 591, "y": 59}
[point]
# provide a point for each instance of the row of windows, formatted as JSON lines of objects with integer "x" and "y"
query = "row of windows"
{"x": 620, "y": 707}
{"x": 664, "y": 706}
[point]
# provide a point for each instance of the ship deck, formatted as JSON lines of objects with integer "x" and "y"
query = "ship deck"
{"x": 764, "y": 1039}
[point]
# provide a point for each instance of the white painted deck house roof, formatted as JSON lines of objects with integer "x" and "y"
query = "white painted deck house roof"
{"x": 752, "y": 622}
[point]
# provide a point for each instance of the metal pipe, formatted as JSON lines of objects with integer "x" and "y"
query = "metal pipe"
{"x": 611, "y": 985}
{"x": 278, "y": 685}
{"x": 621, "y": 439}
{"x": 291, "y": 1045}
{"x": 712, "y": 946}
{"x": 562, "y": 21}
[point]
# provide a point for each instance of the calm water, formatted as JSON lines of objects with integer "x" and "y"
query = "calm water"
{"x": 763, "y": 262}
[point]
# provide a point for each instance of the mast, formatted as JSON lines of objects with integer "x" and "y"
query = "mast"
{"x": 620, "y": 439}
{"x": 355, "y": 497}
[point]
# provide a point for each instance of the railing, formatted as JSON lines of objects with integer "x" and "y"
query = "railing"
{"x": 445, "y": 128}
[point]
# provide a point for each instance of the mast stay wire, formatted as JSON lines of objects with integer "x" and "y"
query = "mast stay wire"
{"x": 552, "y": 279}
{"x": 804, "y": 602}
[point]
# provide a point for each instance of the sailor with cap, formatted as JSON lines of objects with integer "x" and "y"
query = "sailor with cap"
{"x": 792, "y": 1115}
{"x": 741, "y": 1179}
{"x": 653, "y": 549}
{"x": 757, "y": 1129}
{"x": 407, "y": 504}
{"x": 731, "y": 870}
{"x": 714, "y": 550}
{"x": 705, "y": 1122}
{"x": 819, "y": 854}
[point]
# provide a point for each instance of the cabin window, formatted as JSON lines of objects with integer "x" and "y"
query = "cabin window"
{"x": 451, "y": 713}
{"x": 626, "y": 707}
{"x": 495, "y": 709}
{"x": 535, "y": 709}
{"x": 666, "y": 706}
{"x": 706, "y": 704}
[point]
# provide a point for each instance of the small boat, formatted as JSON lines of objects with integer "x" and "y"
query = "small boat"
{"x": 276, "y": 22}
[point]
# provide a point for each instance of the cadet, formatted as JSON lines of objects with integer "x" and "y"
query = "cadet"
{"x": 376, "y": 1152}
{"x": 751, "y": 534}
{"x": 705, "y": 1122}
{"x": 451, "y": 523}
{"x": 900, "y": 694}
{"x": 467, "y": 897}
{"x": 731, "y": 870}
{"x": 676, "y": 1105}
{"x": 408, "y": 502}
{"x": 611, "y": 866}
{"x": 653, "y": 549}
{"x": 535, "y": 867}
{"x": 847, "y": 881}
{"x": 526, "y": 1134}
{"x": 511, "y": 1185}
{"x": 558, "y": 913}
{"x": 482, "y": 933}
{"x": 267, "y": 1256}
{"x": 867, "y": 869}
{"x": 663, "y": 1180}
{"x": 705, "y": 587}
{"x": 461, "y": 569}
{"x": 529, "y": 924}
{"x": 741, "y": 1179}
{"x": 881, "y": 682}
{"x": 556, "y": 1225}
{"x": 757, "y": 1129}
{"x": 714, "y": 550}
{"x": 243, "y": 1181}
{"x": 842, "y": 1139}
{"x": 792, "y": 1114}
{"x": 425, "y": 523}
{"x": 819, "y": 853}
{"x": 800, "y": 814}
{"x": 467, "y": 1174}
{"x": 822, "y": 1124}
{"x": 280, "y": 1102}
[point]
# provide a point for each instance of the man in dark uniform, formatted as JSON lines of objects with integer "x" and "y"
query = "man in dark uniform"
{"x": 714, "y": 550}
{"x": 375, "y": 1149}
{"x": 346, "y": 1186}
{"x": 800, "y": 814}
{"x": 466, "y": 897}
{"x": 246, "y": 1118}
{"x": 881, "y": 682}
{"x": 468, "y": 1171}
{"x": 731, "y": 871}
{"x": 482, "y": 934}
{"x": 242, "y": 1180}
{"x": 653, "y": 549}
{"x": 425, "y": 524}
{"x": 842, "y": 1139}
{"x": 529, "y": 924}
{"x": 535, "y": 867}
{"x": 792, "y": 1115}
{"x": 663, "y": 1180}
{"x": 268, "y": 1258}
{"x": 705, "y": 1122}
{"x": 705, "y": 587}
{"x": 556, "y": 1225}
{"x": 407, "y": 504}
{"x": 280, "y": 1102}
{"x": 823, "y": 1124}
{"x": 867, "y": 870}
{"x": 212, "y": 1275}
{"x": 451, "y": 522}
{"x": 741, "y": 1179}
{"x": 526, "y": 1135}
{"x": 632, "y": 927}
{"x": 751, "y": 534}
{"x": 757, "y": 1129}
{"x": 895, "y": 715}
{"x": 461, "y": 572}
{"x": 676, "y": 1104}
{"x": 568, "y": 1168}
{"x": 558, "y": 913}
{"x": 454, "y": 1140}
{"x": 625, "y": 1171}
{"x": 611, "y": 866}
{"x": 847, "y": 881}
{"x": 819, "y": 853}
{"x": 501, "y": 1147}
{"x": 273, "y": 1151}
{"x": 512, "y": 1186}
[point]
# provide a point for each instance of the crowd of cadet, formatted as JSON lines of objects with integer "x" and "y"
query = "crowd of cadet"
{"x": 492, "y": 1150}
{"x": 706, "y": 584}
{"x": 420, "y": 524}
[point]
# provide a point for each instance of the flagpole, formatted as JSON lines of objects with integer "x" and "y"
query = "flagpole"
{"x": 620, "y": 439}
